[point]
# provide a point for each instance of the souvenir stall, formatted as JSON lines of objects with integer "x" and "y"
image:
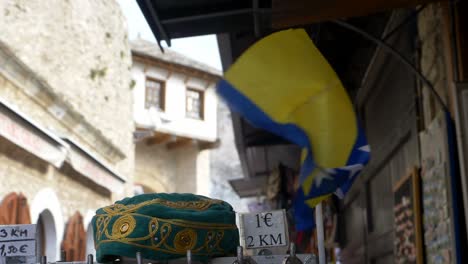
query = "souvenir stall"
{"x": 163, "y": 228}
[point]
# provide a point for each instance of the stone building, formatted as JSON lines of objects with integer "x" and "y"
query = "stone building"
{"x": 66, "y": 112}
{"x": 175, "y": 113}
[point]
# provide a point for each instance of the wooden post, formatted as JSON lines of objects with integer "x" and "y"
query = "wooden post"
{"x": 320, "y": 233}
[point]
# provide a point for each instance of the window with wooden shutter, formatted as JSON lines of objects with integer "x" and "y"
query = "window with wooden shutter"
{"x": 155, "y": 93}
{"x": 194, "y": 104}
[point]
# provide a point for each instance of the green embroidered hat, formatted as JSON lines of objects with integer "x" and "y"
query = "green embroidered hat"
{"x": 164, "y": 226}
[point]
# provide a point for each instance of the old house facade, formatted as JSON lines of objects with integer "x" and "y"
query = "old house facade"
{"x": 175, "y": 114}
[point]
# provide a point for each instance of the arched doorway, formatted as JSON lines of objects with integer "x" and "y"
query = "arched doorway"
{"x": 140, "y": 188}
{"x": 46, "y": 235}
{"x": 90, "y": 240}
{"x": 47, "y": 200}
{"x": 14, "y": 210}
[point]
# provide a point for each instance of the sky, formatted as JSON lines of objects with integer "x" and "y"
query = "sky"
{"x": 201, "y": 48}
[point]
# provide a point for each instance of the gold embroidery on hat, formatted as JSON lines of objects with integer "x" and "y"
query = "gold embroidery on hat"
{"x": 160, "y": 231}
{"x": 199, "y": 205}
{"x": 102, "y": 222}
{"x": 185, "y": 240}
{"x": 161, "y": 238}
{"x": 123, "y": 227}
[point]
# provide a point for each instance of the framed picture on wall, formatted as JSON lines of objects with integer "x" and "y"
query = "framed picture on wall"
{"x": 408, "y": 243}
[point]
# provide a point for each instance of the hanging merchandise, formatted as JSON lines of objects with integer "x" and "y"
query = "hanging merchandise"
{"x": 74, "y": 241}
{"x": 284, "y": 85}
{"x": 258, "y": 206}
{"x": 14, "y": 210}
{"x": 274, "y": 184}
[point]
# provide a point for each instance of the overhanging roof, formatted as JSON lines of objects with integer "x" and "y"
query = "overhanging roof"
{"x": 141, "y": 47}
{"x": 29, "y": 135}
{"x": 95, "y": 159}
{"x": 254, "y": 187}
{"x": 292, "y": 13}
{"x": 169, "y": 19}
{"x": 259, "y": 163}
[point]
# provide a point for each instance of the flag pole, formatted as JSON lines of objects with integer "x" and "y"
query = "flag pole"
{"x": 320, "y": 233}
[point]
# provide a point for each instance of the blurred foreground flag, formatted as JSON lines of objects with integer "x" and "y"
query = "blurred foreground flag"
{"x": 285, "y": 86}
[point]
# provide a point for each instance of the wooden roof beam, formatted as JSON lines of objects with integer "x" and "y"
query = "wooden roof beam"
{"x": 159, "y": 138}
{"x": 179, "y": 143}
{"x": 293, "y": 13}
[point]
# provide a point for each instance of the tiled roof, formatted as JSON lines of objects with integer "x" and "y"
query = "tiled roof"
{"x": 143, "y": 47}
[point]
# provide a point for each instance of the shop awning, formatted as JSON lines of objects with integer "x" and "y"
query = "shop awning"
{"x": 28, "y": 135}
{"x": 254, "y": 187}
{"x": 170, "y": 19}
{"x": 260, "y": 162}
{"x": 302, "y": 12}
{"x": 92, "y": 168}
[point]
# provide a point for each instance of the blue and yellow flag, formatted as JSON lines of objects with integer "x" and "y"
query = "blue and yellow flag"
{"x": 284, "y": 85}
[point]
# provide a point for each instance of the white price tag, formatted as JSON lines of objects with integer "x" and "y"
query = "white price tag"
{"x": 266, "y": 229}
{"x": 17, "y": 240}
{"x": 18, "y": 248}
{"x": 17, "y": 232}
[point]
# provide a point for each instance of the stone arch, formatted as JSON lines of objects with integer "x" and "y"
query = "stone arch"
{"x": 151, "y": 186}
{"x": 89, "y": 233}
{"x": 46, "y": 201}
{"x": 47, "y": 235}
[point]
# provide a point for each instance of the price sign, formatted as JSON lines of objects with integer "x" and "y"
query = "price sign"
{"x": 17, "y": 240}
{"x": 18, "y": 248}
{"x": 266, "y": 229}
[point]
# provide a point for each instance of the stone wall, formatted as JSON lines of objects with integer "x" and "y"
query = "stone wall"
{"x": 225, "y": 162}
{"x": 187, "y": 170}
{"x": 66, "y": 66}
{"x": 182, "y": 170}
{"x": 14, "y": 174}
{"x": 14, "y": 93}
{"x": 22, "y": 172}
{"x": 433, "y": 60}
{"x": 154, "y": 168}
{"x": 47, "y": 189}
{"x": 203, "y": 183}
{"x": 80, "y": 49}
{"x": 438, "y": 219}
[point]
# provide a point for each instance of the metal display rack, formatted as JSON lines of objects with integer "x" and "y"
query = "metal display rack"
{"x": 263, "y": 258}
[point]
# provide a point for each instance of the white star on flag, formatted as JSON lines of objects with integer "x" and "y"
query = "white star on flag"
{"x": 323, "y": 175}
{"x": 365, "y": 148}
{"x": 339, "y": 193}
{"x": 353, "y": 169}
